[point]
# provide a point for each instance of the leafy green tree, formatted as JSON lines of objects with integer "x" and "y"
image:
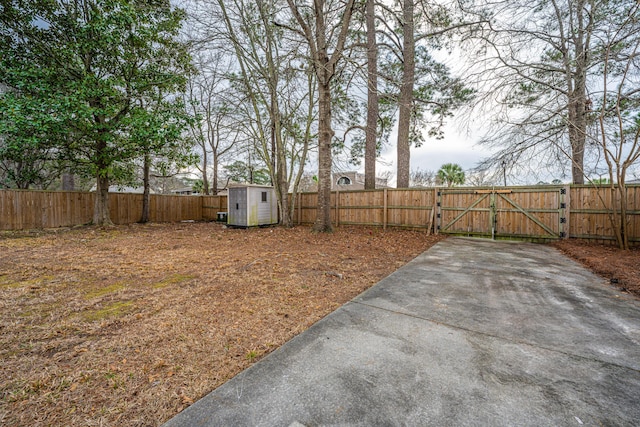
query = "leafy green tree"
{"x": 24, "y": 165}
{"x": 162, "y": 142}
{"x": 451, "y": 174}
{"x": 86, "y": 69}
{"x": 27, "y": 157}
{"x": 242, "y": 172}
{"x": 198, "y": 186}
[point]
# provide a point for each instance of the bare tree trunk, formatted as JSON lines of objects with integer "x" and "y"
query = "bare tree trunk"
{"x": 21, "y": 184}
{"x": 576, "y": 80}
{"x": 577, "y": 135}
{"x": 372, "y": 99}
{"x": 278, "y": 169}
{"x": 406, "y": 96}
{"x": 101, "y": 207}
{"x": 286, "y": 219}
{"x": 274, "y": 163}
{"x": 282, "y": 182}
{"x": 68, "y": 182}
{"x": 577, "y": 109}
{"x": 214, "y": 180}
{"x": 323, "y": 220}
{"x": 205, "y": 179}
{"x": 145, "y": 194}
{"x": 624, "y": 241}
{"x": 325, "y": 134}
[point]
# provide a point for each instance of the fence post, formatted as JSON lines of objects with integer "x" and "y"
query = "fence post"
{"x": 337, "y": 208}
{"x": 566, "y": 212}
{"x": 437, "y": 198}
{"x": 384, "y": 209}
{"x": 493, "y": 215}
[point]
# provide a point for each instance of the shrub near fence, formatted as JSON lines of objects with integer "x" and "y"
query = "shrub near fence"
{"x": 23, "y": 209}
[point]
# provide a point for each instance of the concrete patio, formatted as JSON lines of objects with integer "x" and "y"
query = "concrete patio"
{"x": 470, "y": 333}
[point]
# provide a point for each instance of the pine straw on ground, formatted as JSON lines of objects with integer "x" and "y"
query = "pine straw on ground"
{"x": 621, "y": 268}
{"x": 130, "y": 325}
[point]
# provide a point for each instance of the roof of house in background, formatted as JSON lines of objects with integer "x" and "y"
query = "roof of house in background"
{"x": 124, "y": 189}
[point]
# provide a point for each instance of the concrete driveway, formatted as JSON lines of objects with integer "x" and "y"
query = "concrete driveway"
{"x": 470, "y": 333}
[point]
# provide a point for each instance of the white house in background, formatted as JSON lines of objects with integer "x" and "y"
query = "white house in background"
{"x": 340, "y": 181}
{"x": 184, "y": 191}
{"x": 124, "y": 189}
{"x": 352, "y": 180}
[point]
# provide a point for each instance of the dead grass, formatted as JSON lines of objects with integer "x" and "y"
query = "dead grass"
{"x": 130, "y": 325}
{"x": 621, "y": 268}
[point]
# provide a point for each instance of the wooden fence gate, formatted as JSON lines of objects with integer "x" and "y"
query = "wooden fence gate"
{"x": 537, "y": 214}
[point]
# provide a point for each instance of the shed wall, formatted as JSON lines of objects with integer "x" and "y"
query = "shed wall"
{"x": 262, "y": 212}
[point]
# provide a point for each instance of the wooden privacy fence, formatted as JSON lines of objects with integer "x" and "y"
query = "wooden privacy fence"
{"x": 539, "y": 213}
{"x": 533, "y": 213}
{"x": 22, "y": 210}
{"x": 590, "y": 208}
{"x": 410, "y": 208}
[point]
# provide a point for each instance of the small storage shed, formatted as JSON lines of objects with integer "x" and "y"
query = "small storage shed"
{"x": 251, "y": 205}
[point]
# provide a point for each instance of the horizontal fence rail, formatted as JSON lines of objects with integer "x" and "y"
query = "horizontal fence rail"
{"x": 536, "y": 213}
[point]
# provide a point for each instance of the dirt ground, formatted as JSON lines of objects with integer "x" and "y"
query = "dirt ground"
{"x": 621, "y": 268}
{"x": 130, "y": 325}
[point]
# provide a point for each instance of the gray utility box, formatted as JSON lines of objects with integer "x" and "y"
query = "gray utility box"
{"x": 251, "y": 205}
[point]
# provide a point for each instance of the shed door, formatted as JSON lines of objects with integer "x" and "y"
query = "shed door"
{"x": 238, "y": 206}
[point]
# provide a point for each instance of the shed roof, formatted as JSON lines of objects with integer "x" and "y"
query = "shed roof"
{"x": 249, "y": 185}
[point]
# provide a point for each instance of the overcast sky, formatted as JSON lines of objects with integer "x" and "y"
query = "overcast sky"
{"x": 456, "y": 147}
